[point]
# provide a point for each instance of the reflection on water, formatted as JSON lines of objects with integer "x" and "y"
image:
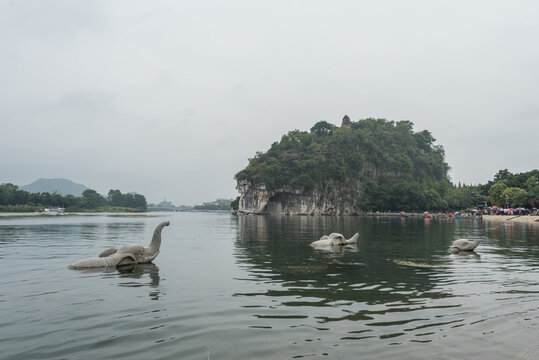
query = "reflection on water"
{"x": 252, "y": 287}
{"x": 368, "y": 292}
{"x": 137, "y": 272}
{"x": 138, "y": 275}
{"x": 344, "y": 277}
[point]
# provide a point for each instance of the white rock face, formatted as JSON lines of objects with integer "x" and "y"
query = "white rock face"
{"x": 256, "y": 199}
{"x": 253, "y": 199}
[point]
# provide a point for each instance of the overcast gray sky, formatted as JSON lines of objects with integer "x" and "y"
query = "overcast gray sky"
{"x": 170, "y": 98}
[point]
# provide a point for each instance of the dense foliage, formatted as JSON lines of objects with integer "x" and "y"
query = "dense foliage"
{"x": 235, "y": 204}
{"x": 396, "y": 167}
{"x": 507, "y": 189}
{"x": 211, "y": 207}
{"x": 12, "y": 198}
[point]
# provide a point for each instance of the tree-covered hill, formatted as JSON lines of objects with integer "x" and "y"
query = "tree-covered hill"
{"x": 394, "y": 167}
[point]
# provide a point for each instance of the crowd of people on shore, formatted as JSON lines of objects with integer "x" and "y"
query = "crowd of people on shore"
{"x": 479, "y": 212}
{"x": 494, "y": 210}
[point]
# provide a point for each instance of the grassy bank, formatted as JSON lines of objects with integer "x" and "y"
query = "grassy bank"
{"x": 11, "y": 216}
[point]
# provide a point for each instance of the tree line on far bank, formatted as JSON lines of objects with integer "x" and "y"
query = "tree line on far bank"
{"x": 14, "y": 199}
{"x": 514, "y": 190}
{"x": 505, "y": 190}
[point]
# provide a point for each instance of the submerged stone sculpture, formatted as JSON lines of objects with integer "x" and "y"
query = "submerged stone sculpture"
{"x": 464, "y": 245}
{"x": 335, "y": 239}
{"x": 126, "y": 255}
{"x": 332, "y": 266}
{"x": 416, "y": 264}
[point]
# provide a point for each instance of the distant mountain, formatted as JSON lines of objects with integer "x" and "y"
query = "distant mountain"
{"x": 61, "y": 186}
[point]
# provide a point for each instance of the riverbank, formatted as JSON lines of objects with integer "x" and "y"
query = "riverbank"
{"x": 25, "y": 215}
{"x": 48, "y": 215}
{"x": 524, "y": 219}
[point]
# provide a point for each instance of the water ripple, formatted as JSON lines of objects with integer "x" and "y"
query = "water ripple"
{"x": 255, "y": 281}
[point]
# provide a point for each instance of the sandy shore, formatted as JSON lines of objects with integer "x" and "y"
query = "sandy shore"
{"x": 513, "y": 218}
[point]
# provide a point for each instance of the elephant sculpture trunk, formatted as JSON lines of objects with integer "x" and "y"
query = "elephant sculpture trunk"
{"x": 156, "y": 238}
{"x": 126, "y": 255}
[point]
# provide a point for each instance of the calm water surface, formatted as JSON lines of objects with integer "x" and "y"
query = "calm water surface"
{"x": 250, "y": 287}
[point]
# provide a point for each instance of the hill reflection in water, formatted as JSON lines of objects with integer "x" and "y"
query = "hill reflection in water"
{"x": 367, "y": 291}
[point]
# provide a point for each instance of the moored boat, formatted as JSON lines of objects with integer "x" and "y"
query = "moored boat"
{"x": 51, "y": 210}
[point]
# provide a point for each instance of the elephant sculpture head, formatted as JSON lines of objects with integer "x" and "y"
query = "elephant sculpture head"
{"x": 126, "y": 255}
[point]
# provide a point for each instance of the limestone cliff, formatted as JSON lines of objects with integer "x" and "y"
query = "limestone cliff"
{"x": 340, "y": 200}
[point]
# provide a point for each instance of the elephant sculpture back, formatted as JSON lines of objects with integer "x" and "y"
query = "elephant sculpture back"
{"x": 127, "y": 255}
{"x": 464, "y": 245}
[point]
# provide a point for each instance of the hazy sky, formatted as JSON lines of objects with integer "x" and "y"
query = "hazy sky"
{"x": 170, "y": 98}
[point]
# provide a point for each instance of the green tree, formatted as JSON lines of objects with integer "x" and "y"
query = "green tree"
{"x": 496, "y": 193}
{"x": 531, "y": 182}
{"x": 533, "y": 196}
{"x": 235, "y": 204}
{"x": 433, "y": 199}
{"x": 115, "y": 198}
{"x": 516, "y": 196}
{"x": 306, "y": 181}
{"x": 92, "y": 200}
{"x": 502, "y": 175}
{"x": 139, "y": 202}
{"x": 323, "y": 128}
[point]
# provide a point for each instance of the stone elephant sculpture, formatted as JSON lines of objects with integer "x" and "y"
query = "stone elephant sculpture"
{"x": 335, "y": 239}
{"x": 127, "y": 255}
{"x": 464, "y": 245}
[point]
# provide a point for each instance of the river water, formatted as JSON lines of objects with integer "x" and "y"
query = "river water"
{"x": 250, "y": 287}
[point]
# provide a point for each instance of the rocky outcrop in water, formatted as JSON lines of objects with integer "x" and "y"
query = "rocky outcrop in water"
{"x": 340, "y": 200}
{"x": 369, "y": 165}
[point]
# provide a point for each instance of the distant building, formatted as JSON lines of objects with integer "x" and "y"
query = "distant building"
{"x": 165, "y": 204}
{"x": 168, "y": 206}
{"x": 346, "y": 122}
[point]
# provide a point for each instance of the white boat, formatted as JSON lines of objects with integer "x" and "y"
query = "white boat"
{"x": 51, "y": 210}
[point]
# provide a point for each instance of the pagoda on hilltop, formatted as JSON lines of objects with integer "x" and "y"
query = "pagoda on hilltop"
{"x": 346, "y": 122}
